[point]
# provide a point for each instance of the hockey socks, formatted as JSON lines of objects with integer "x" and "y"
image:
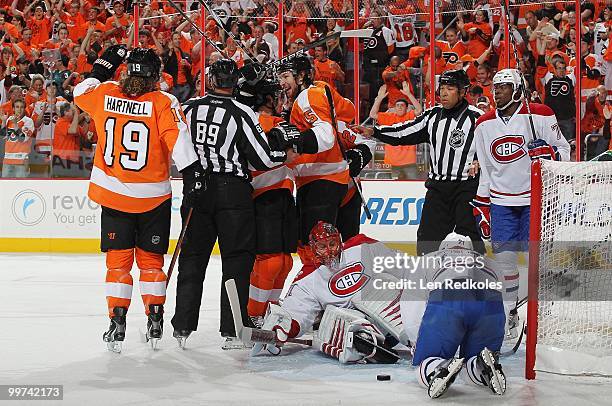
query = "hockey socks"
{"x": 485, "y": 370}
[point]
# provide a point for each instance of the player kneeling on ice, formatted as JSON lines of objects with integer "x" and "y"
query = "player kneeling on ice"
{"x": 360, "y": 323}
{"x": 464, "y": 311}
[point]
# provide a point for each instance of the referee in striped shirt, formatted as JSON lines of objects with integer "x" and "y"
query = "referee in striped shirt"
{"x": 449, "y": 130}
{"x": 230, "y": 142}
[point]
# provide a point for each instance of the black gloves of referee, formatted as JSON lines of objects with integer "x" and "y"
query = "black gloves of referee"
{"x": 106, "y": 65}
{"x": 194, "y": 184}
{"x": 358, "y": 158}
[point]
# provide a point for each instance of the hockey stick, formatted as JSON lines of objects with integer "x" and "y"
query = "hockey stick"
{"x": 523, "y": 88}
{"x": 198, "y": 29}
{"x": 215, "y": 17}
{"x": 249, "y": 335}
{"x": 179, "y": 243}
{"x": 332, "y": 113}
{"x": 365, "y": 341}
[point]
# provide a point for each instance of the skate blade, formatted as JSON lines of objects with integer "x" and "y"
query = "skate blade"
{"x": 497, "y": 383}
{"x": 235, "y": 346}
{"x": 114, "y": 346}
{"x": 153, "y": 342}
{"x": 181, "y": 342}
{"x": 439, "y": 386}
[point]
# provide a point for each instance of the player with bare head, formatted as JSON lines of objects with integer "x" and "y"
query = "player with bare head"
{"x": 140, "y": 129}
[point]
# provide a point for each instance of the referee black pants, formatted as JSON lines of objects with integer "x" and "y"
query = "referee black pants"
{"x": 225, "y": 212}
{"x": 446, "y": 209}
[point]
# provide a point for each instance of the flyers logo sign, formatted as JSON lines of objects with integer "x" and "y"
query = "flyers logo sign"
{"x": 450, "y": 57}
{"x": 508, "y": 148}
{"x": 348, "y": 281}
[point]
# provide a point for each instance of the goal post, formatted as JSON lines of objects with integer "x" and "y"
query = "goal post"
{"x": 569, "y": 311}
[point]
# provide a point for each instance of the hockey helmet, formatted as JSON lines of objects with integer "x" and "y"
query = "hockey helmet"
{"x": 455, "y": 77}
{"x": 297, "y": 64}
{"x": 224, "y": 73}
{"x": 326, "y": 244}
{"x": 256, "y": 95}
{"x": 512, "y": 77}
{"x": 454, "y": 240}
{"x": 143, "y": 62}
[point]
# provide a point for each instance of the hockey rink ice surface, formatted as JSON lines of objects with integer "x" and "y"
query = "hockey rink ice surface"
{"x": 53, "y": 314}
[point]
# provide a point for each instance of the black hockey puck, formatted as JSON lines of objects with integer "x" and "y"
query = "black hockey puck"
{"x": 383, "y": 377}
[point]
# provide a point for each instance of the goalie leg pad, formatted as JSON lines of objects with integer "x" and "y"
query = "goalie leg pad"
{"x": 335, "y": 336}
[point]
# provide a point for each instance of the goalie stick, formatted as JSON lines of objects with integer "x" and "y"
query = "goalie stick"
{"x": 249, "y": 335}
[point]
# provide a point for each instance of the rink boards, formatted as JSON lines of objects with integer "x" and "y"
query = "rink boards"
{"x": 57, "y": 215}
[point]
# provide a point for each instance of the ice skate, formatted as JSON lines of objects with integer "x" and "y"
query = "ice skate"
{"x": 181, "y": 336}
{"x": 116, "y": 332}
{"x": 491, "y": 371}
{"x": 513, "y": 325}
{"x": 232, "y": 343}
{"x": 443, "y": 376}
{"x": 155, "y": 325}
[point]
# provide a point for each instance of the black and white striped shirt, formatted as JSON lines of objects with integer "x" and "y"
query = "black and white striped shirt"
{"x": 450, "y": 134}
{"x": 228, "y": 138}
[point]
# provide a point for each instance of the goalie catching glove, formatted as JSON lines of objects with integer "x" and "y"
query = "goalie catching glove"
{"x": 540, "y": 149}
{"x": 481, "y": 208}
{"x": 106, "y": 65}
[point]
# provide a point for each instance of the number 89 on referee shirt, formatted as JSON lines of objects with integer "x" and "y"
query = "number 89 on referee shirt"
{"x": 207, "y": 133}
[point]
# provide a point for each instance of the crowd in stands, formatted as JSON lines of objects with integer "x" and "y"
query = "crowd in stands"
{"x": 48, "y": 46}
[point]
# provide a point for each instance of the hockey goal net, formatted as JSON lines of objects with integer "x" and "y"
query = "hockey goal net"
{"x": 569, "y": 321}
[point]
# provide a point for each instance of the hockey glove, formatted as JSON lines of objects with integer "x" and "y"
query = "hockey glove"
{"x": 106, "y": 65}
{"x": 481, "y": 207}
{"x": 358, "y": 158}
{"x": 278, "y": 320}
{"x": 284, "y": 136}
{"x": 540, "y": 149}
{"x": 194, "y": 184}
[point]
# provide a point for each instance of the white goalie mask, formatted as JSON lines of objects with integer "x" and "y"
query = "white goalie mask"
{"x": 512, "y": 77}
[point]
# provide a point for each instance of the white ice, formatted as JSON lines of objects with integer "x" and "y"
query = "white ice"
{"x": 53, "y": 314}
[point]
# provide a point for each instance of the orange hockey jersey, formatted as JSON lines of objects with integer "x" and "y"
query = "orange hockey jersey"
{"x": 311, "y": 110}
{"x": 136, "y": 137}
{"x": 277, "y": 178}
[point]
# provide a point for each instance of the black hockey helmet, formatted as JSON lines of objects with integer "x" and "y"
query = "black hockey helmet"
{"x": 255, "y": 95}
{"x": 455, "y": 77}
{"x": 143, "y": 62}
{"x": 297, "y": 64}
{"x": 224, "y": 73}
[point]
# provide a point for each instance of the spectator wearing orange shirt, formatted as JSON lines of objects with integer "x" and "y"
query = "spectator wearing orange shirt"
{"x": 402, "y": 158}
{"x": 66, "y": 162}
{"x": 15, "y": 92}
{"x": 477, "y": 34}
{"x": 25, "y": 46}
{"x": 73, "y": 18}
{"x": 484, "y": 79}
{"x": 396, "y": 80}
{"x": 17, "y": 130}
{"x": 7, "y": 28}
{"x": 327, "y": 70}
{"x": 40, "y": 22}
{"x": 116, "y": 25}
{"x": 92, "y": 21}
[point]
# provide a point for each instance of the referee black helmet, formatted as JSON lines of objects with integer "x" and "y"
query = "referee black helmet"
{"x": 257, "y": 94}
{"x": 224, "y": 74}
{"x": 455, "y": 77}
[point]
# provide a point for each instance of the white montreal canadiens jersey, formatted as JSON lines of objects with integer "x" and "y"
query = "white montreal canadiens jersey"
{"x": 501, "y": 147}
{"x": 311, "y": 292}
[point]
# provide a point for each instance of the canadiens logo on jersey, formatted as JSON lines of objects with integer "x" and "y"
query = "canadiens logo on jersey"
{"x": 348, "y": 281}
{"x": 457, "y": 138}
{"x": 508, "y": 148}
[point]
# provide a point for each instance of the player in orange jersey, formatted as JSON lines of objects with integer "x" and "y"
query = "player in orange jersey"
{"x": 139, "y": 129}
{"x": 275, "y": 214}
{"x": 321, "y": 172}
